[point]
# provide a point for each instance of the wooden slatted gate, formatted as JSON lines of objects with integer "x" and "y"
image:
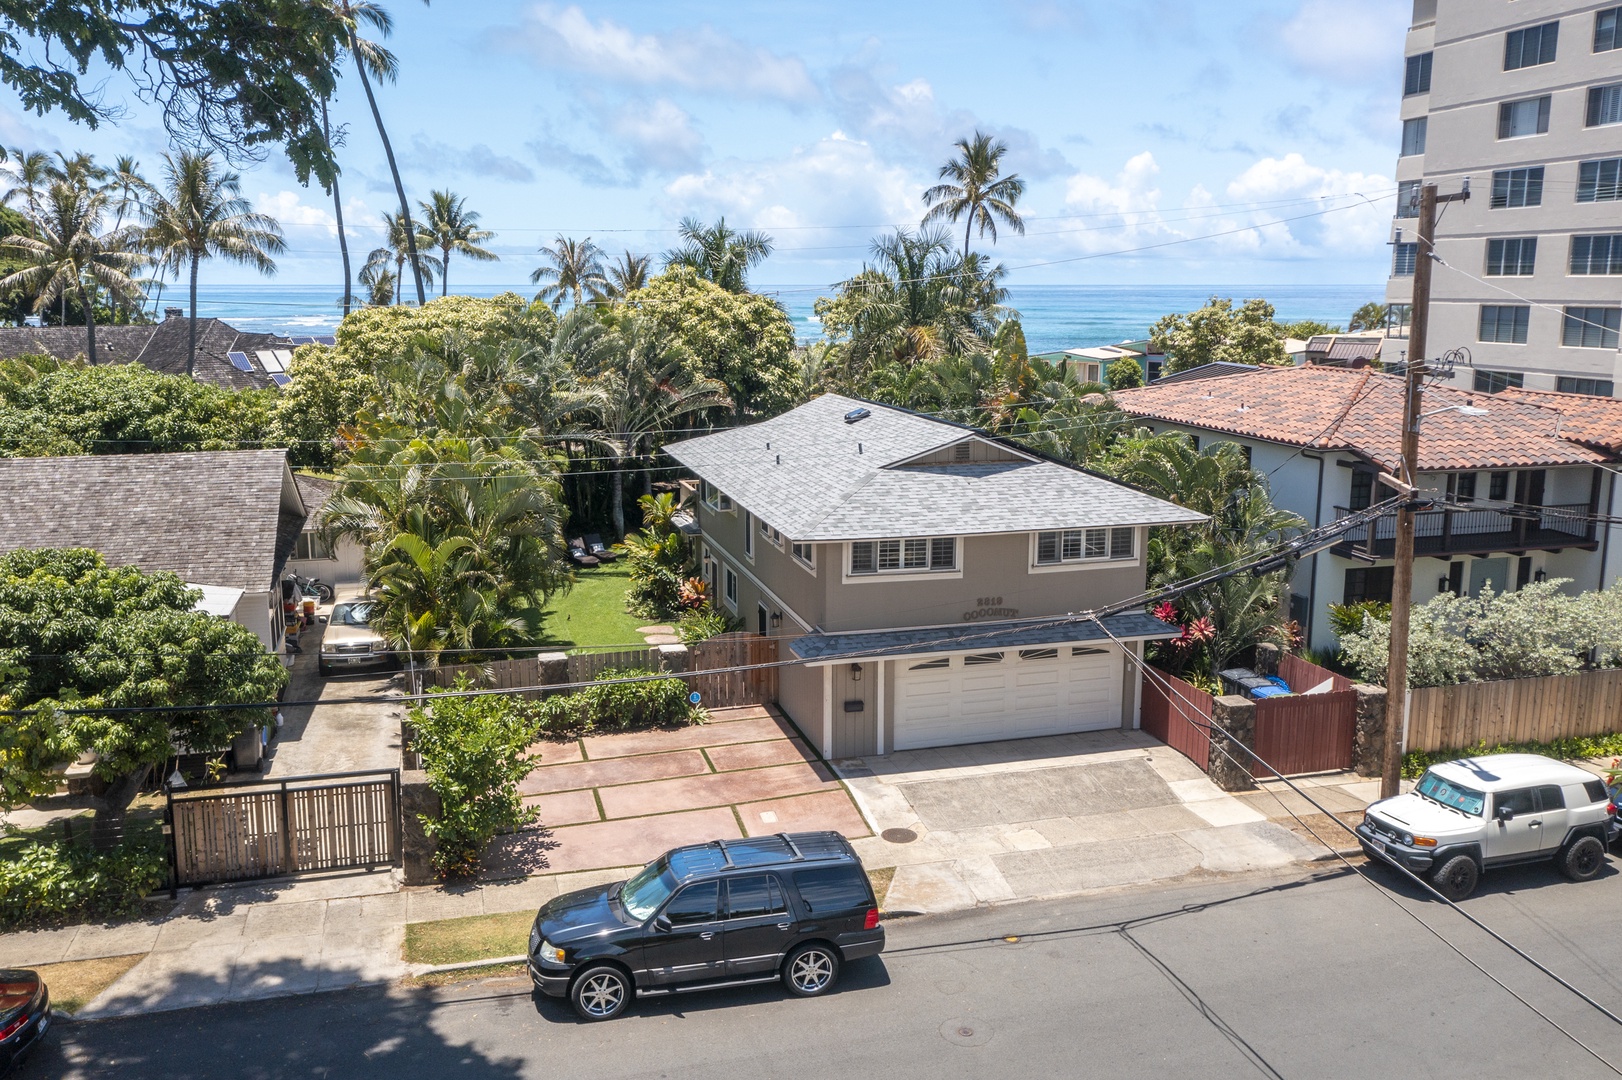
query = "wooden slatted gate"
{"x": 1305, "y": 733}
{"x": 720, "y": 689}
{"x": 1180, "y": 716}
{"x": 336, "y": 821}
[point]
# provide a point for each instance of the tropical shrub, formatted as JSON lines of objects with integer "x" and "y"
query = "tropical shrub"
{"x": 618, "y": 706}
{"x": 1348, "y": 618}
{"x": 1415, "y": 762}
{"x": 657, "y": 560}
{"x": 1124, "y": 374}
{"x": 473, "y": 751}
{"x": 49, "y": 884}
{"x": 703, "y": 623}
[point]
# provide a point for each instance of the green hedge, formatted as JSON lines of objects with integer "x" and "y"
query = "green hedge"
{"x": 53, "y": 883}
{"x": 1415, "y": 762}
{"x": 618, "y": 707}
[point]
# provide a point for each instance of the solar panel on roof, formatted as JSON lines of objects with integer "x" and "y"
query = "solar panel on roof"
{"x": 239, "y": 360}
{"x": 279, "y": 379}
{"x": 325, "y": 339}
{"x": 269, "y": 360}
{"x": 302, "y": 340}
{"x": 285, "y": 356}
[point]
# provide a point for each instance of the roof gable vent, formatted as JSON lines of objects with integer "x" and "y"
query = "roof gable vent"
{"x": 856, "y": 415}
{"x": 962, "y": 451}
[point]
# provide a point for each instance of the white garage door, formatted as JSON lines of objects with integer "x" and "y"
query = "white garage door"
{"x": 1012, "y": 694}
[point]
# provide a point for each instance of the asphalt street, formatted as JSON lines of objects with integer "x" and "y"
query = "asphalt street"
{"x": 1283, "y": 975}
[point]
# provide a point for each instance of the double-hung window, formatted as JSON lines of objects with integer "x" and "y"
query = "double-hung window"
{"x": 1515, "y": 188}
{"x": 1599, "y": 181}
{"x": 806, "y": 554}
{"x": 1608, "y": 29}
{"x": 1512, "y": 256}
{"x": 749, "y": 535}
{"x": 1085, "y": 545}
{"x": 1529, "y": 116}
{"x": 1413, "y": 137}
{"x": 731, "y": 592}
{"x": 1591, "y": 327}
{"x": 1596, "y": 254}
{"x": 1604, "y": 105}
{"x": 1532, "y": 46}
{"x": 1418, "y": 77}
{"x": 912, "y": 555}
{"x": 1408, "y": 198}
{"x": 1496, "y": 382}
{"x": 771, "y": 535}
{"x": 1592, "y": 387}
{"x": 1403, "y": 257}
{"x": 1504, "y": 323}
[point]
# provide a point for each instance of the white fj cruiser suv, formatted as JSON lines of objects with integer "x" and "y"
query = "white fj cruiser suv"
{"x": 1468, "y": 815}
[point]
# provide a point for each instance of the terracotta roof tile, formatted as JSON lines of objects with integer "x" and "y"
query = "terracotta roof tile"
{"x": 1361, "y": 411}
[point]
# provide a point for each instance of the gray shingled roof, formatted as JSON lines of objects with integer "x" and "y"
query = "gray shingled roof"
{"x": 228, "y": 517}
{"x": 162, "y": 348}
{"x": 814, "y": 477}
{"x": 1131, "y": 626}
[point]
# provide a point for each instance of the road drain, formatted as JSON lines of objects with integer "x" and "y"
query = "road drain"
{"x": 899, "y": 836}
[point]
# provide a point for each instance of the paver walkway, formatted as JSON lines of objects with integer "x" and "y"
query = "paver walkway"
{"x": 619, "y": 800}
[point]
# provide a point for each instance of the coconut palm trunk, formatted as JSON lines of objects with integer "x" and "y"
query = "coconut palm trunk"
{"x": 337, "y": 209}
{"x": 191, "y": 323}
{"x": 617, "y": 486}
{"x": 399, "y": 188}
{"x": 89, "y": 321}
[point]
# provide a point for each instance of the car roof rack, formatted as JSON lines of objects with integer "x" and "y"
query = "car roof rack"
{"x": 726, "y": 856}
{"x": 794, "y": 849}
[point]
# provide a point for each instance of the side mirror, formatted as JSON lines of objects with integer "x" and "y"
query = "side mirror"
{"x": 1506, "y": 813}
{"x": 662, "y": 924}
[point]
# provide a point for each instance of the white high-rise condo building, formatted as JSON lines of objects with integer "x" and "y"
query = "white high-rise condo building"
{"x": 1523, "y": 98}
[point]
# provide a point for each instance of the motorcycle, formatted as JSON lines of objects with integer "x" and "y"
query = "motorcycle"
{"x": 313, "y": 587}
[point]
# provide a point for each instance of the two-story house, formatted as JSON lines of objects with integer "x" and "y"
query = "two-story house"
{"x": 1519, "y": 484}
{"x": 926, "y": 574}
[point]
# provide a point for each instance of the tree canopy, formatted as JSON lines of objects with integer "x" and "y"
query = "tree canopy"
{"x": 1218, "y": 332}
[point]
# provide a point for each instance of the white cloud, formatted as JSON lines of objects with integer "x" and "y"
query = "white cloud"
{"x": 701, "y": 59}
{"x": 1351, "y": 43}
{"x": 430, "y": 156}
{"x": 659, "y": 136}
{"x": 1352, "y": 220}
{"x": 291, "y": 211}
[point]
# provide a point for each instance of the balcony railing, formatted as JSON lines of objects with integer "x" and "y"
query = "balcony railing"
{"x": 1473, "y": 529}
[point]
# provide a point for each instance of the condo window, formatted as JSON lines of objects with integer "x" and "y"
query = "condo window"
{"x": 1464, "y": 487}
{"x": 1596, "y": 254}
{"x": 909, "y": 556}
{"x": 1413, "y": 137}
{"x": 1493, "y": 382}
{"x": 1591, "y": 327}
{"x": 1403, "y": 257}
{"x": 1504, "y": 323}
{"x": 1083, "y": 545}
{"x": 1511, "y": 256}
{"x": 1368, "y": 583}
{"x": 1498, "y": 486}
{"x": 1606, "y": 29}
{"x": 1418, "y": 80}
{"x": 1599, "y": 181}
{"x": 1516, "y": 187}
{"x": 1529, "y": 116}
{"x": 1592, "y": 387}
{"x": 1408, "y": 198}
{"x": 1531, "y": 46}
{"x": 1604, "y": 105}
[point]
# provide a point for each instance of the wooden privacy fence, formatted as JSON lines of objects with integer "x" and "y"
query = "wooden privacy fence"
{"x": 1304, "y": 675}
{"x": 337, "y": 821}
{"x": 1515, "y": 710}
{"x": 1305, "y": 733}
{"x": 700, "y": 666}
{"x": 1177, "y": 714}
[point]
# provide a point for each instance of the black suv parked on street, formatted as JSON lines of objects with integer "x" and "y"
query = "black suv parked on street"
{"x": 794, "y": 907}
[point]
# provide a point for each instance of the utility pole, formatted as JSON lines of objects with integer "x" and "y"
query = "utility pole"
{"x": 1407, "y": 483}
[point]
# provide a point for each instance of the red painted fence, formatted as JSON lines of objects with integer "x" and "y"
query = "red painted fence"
{"x": 1305, "y": 733}
{"x": 1177, "y": 714}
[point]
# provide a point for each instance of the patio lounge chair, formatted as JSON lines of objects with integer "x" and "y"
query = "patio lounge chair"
{"x": 579, "y": 554}
{"x": 595, "y": 545}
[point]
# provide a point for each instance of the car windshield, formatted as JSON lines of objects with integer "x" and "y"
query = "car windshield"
{"x": 650, "y": 888}
{"x": 1451, "y": 795}
{"x": 352, "y": 614}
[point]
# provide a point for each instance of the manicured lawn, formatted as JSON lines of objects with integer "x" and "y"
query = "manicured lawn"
{"x": 593, "y": 612}
{"x": 75, "y": 984}
{"x": 476, "y": 937}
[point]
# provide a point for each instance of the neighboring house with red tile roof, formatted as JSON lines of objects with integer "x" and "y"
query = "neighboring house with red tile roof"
{"x": 1520, "y": 488}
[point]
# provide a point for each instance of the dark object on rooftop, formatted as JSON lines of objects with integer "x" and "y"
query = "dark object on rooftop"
{"x": 857, "y": 414}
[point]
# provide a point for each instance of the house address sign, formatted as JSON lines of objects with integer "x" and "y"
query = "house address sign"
{"x": 990, "y": 607}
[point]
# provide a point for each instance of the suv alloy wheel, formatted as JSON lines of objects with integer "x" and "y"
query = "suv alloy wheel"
{"x": 810, "y": 970}
{"x": 600, "y": 993}
{"x": 1456, "y": 878}
{"x": 1582, "y": 858}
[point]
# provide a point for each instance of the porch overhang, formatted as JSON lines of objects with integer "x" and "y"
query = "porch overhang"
{"x": 820, "y": 649}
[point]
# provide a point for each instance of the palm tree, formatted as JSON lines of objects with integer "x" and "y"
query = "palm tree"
{"x": 201, "y": 214}
{"x": 573, "y": 269}
{"x": 624, "y": 276}
{"x": 372, "y": 57}
{"x": 378, "y": 280}
{"x": 453, "y": 227}
{"x": 976, "y": 190}
{"x": 69, "y": 253}
{"x": 338, "y": 209}
{"x": 642, "y": 393}
{"x": 718, "y": 253}
{"x": 397, "y": 249}
{"x": 30, "y": 174}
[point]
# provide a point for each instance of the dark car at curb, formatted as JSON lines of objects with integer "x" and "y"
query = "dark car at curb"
{"x": 25, "y": 1014}
{"x": 794, "y": 907}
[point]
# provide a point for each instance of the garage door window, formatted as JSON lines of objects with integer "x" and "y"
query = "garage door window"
{"x": 930, "y": 665}
{"x": 974, "y": 659}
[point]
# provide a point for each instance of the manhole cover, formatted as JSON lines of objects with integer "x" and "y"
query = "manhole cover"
{"x": 899, "y": 836}
{"x": 963, "y": 1032}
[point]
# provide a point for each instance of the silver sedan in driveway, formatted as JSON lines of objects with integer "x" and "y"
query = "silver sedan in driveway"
{"x": 350, "y": 642}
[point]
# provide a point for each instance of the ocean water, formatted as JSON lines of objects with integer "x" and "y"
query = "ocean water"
{"x": 1054, "y": 316}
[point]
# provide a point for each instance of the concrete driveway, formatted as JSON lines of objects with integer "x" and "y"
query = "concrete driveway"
{"x": 1053, "y": 816}
{"x": 620, "y": 800}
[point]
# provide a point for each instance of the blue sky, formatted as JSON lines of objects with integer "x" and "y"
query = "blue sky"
{"x": 1135, "y": 124}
